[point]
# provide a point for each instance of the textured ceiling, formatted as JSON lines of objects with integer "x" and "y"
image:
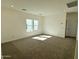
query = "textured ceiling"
{"x": 44, "y": 7}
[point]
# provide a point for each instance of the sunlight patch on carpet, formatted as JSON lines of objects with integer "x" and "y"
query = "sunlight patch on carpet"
{"x": 42, "y": 37}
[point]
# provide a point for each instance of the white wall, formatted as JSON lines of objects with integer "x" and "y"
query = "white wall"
{"x": 13, "y": 24}
{"x": 72, "y": 21}
{"x": 55, "y": 24}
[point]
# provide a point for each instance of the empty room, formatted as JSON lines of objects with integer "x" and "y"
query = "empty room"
{"x": 39, "y": 29}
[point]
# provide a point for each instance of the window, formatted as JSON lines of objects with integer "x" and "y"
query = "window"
{"x": 35, "y": 24}
{"x": 31, "y": 25}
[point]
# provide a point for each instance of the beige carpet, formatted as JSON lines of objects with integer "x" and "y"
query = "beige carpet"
{"x": 53, "y": 48}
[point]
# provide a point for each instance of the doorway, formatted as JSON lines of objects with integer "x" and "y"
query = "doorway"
{"x": 71, "y": 24}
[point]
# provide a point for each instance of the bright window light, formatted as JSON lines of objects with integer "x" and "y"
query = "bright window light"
{"x": 31, "y": 25}
{"x": 41, "y": 37}
{"x": 35, "y": 24}
{"x": 46, "y": 36}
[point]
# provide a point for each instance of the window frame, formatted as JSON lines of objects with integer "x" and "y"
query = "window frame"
{"x": 33, "y": 26}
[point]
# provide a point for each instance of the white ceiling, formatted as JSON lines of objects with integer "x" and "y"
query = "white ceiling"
{"x": 44, "y": 7}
